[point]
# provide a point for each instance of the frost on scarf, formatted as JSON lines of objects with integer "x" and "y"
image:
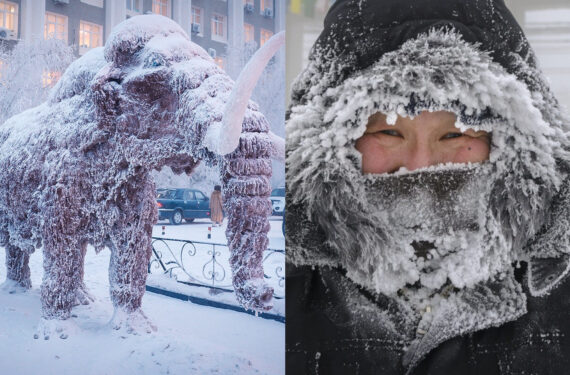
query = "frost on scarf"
{"x": 526, "y": 203}
{"x": 76, "y": 170}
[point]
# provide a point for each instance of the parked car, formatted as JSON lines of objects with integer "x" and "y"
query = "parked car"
{"x": 278, "y": 201}
{"x": 182, "y": 204}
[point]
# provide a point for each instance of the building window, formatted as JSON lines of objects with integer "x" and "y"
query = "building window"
{"x": 161, "y": 7}
{"x": 49, "y": 79}
{"x": 248, "y": 33}
{"x": 266, "y": 8}
{"x": 264, "y": 36}
{"x": 196, "y": 21}
{"x": 55, "y": 27}
{"x": 90, "y": 36}
{"x": 134, "y": 7}
{"x": 9, "y": 15}
{"x": 248, "y": 6}
{"x": 219, "y": 30}
{"x": 220, "y": 62}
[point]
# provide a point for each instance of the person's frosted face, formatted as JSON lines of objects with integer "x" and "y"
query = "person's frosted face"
{"x": 430, "y": 138}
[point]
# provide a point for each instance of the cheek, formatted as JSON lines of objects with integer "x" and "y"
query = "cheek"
{"x": 377, "y": 158}
{"x": 474, "y": 150}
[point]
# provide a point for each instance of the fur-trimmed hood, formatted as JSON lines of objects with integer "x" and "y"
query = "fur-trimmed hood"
{"x": 436, "y": 70}
{"x": 451, "y": 61}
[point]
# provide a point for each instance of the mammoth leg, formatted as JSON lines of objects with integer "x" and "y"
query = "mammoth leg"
{"x": 128, "y": 270}
{"x": 130, "y": 253}
{"x": 246, "y": 177}
{"x": 17, "y": 268}
{"x": 62, "y": 276}
{"x": 82, "y": 296}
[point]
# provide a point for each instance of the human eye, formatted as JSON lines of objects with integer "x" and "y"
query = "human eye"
{"x": 452, "y": 135}
{"x": 391, "y": 132}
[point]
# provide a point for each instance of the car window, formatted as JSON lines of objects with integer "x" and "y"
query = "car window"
{"x": 166, "y": 194}
{"x": 189, "y": 195}
{"x": 279, "y": 192}
{"x": 200, "y": 196}
{"x": 180, "y": 194}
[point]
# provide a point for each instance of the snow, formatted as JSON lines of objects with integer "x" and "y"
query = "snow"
{"x": 190, "y": 339}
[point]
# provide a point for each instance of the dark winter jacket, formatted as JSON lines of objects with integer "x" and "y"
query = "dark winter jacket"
{"x": 403, "y": 57}
{"x": 326, "y": 334}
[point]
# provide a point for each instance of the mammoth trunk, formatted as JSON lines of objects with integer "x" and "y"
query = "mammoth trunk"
{"x": 246, "y": 176}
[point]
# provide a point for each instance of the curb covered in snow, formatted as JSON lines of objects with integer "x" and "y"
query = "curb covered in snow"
{"x": 206, "y": 302}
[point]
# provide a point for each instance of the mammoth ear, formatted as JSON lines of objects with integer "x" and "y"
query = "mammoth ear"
{"x": 550, "y": 262}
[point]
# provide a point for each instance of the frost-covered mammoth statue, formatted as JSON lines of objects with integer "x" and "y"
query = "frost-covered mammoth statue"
{"x": 76, "y": 170}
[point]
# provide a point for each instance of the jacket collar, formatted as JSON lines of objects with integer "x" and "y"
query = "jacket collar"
{"x": 470, "y": 310}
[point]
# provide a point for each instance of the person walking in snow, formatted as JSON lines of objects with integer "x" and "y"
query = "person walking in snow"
{"x": 428, "y": 187}
{"x": 216, "y": 206}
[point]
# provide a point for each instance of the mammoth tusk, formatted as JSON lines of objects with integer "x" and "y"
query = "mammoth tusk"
{"x": 223, "y": 138}
{"x": 278, "y": 150}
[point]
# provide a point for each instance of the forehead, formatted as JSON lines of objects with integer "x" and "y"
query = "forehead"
{"x": 425, "y": 118}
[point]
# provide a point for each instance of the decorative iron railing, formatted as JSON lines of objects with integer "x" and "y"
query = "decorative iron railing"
{"x": 207, "y": 264}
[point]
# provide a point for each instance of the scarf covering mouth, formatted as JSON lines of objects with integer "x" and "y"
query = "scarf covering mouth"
{"x": 437, "y": 70}
{"x": 438, "y": 230}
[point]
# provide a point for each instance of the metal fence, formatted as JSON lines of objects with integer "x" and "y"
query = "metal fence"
{"x": 207, "y": 264}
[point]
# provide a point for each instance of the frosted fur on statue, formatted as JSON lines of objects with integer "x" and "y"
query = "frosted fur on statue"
{"x": 76, "y": 170}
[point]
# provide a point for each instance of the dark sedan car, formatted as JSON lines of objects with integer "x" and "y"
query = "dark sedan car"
{"x": 182, "y": 204}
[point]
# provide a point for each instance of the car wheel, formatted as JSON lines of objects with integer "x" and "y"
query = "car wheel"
{"x": 189, "y": 220}
{"x": 176, "y": 217}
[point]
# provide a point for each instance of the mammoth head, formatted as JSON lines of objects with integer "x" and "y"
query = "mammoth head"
{"x": 167, "y": 103}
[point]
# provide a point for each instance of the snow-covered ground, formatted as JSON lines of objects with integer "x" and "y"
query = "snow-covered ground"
{"x": 191, "y": 339}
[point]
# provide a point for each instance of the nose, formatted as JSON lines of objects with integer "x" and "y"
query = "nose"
{"x": 421, "y": 155}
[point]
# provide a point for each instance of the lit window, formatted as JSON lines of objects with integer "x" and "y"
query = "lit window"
{"x": 49, "y": 79}
{"x": 219, "y": 28}
{"x": 264, "y": 36}
{"x": 55, "y": 27}
{"x": 220, "y": 62}
{"x": 134, "y": 7}
{"x": 90, "y": 35}
{"x": 248, "y": 33}
{"x": 266, "y": 7}
{"x": 196, "y": 20}
{"x": 9, "y": 15}
{"x": 160, "y": 7}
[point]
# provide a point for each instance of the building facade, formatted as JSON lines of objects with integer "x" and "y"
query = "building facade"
{"x": 216, "y": 25}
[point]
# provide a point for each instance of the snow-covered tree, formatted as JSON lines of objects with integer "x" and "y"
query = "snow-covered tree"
{"x": 28, "y": 71}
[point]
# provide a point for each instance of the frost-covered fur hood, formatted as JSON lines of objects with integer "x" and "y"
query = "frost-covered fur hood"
{"x": 437, "y": 70}
{"x": 466, "y": 57}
